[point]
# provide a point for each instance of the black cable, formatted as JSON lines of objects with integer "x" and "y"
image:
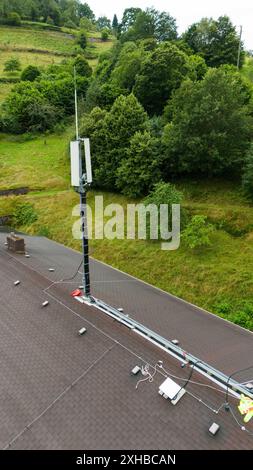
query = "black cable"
{"x": 74, "y": 275}
{"x": 187, "y": 380}
{"x": 231, "y": 375}
{"x": 227, "y": 404}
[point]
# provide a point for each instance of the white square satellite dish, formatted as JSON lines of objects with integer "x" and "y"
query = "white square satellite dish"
{"x": 76, "y": 171}
{"x": 87, "y": 160}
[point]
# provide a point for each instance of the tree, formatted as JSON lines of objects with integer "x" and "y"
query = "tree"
{"x": 50, "y": 9}
{"x": 209, "y": 127}
{"x": 128, "y": 19}
{"x": 111, "y": 139}
{"x": 30, "y": 73}
{"x": 70, "y": 11}
{"x": 198, "y": 66}
{"x": 87, "y": 24}
{"x": 151, "y": 23}
{"x": 103, "y": 22}
{"x": 165, "y": 28}
{"x": 82, "y": 40}
{"x": 140, "y": 169}
{"x": 26, "y": 109}
{"x": 198, "y": 232}
{"x": 12, "y": 65}
{"x": 85, "y": 11}
{"x": 82, "y": 66}
{"x": 105, "y": 34}
{"x": 115, "y": 24}
{"x": 161, "y": 73}
{"x": 128, "y": 65}
{"x": 217, "y": 41}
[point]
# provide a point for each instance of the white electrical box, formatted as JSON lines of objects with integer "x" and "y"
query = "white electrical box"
{"x": 76, "y": 171}
{"x": 87, "y": 160}
{"x": 170, "y": 389}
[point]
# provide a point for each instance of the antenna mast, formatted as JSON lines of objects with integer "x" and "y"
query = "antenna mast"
{"x": 76, "y": 107}
{"x": 239, "y": 48}
{"x": 81, "y": 187}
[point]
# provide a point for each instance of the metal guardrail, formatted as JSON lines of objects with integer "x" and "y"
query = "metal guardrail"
{"x": 175, "y": 350}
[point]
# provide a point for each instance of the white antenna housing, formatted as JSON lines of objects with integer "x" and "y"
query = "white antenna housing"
{"x": 76, "y": 172}
{"x": 87, "y": 160}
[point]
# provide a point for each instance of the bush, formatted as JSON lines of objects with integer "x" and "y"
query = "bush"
{"x": 82, "y": 40}
{"x": 197, "y": 232}
{"x": 223, "y": 307}
{"x": 82, "y": 66}
{"x": 24, "y": 214}
{"x": 44, "y": 231}
{"x": 243, "y": 319}
{"x": 13, "y": 19}
{"x": 30, "y": 73}
{"x": 86, "y": 24}
{"x": 12, "y": 65}
{"x": 70, "y": 24}
{"x": 167, "y": 193}
{"x": 104, "y": 35}
{"x": 247, "y": 177}
{"x": 26, "y": 109}
{"x": 140, "y": 169}
{"x": 50, "y": 20}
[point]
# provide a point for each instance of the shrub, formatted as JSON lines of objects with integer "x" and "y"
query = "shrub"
{"x": 24, "y": 214}
{"x": 82, "y": 66}
{"x": 30, "y": 73}
{"x": 247, "y": 177}
{"x": 167, "y": 193}
{"x": 26, "y": 109}
{"x": 13, "y": 19}
{"x": 223, "y": 307}
{"x": 86, "y": 24}
{"x": 12, "y": 65}
{"x": 140, "y": 169}
{"x": 197, "y": 232}
{"x": 82, "y": 40}
{"x": 243, "y": 319}
{"x": 104, "y": 34}
{"x": 50, "y": 20}
{"x": 44, "y": 231}
{"x": 70, "y": 24}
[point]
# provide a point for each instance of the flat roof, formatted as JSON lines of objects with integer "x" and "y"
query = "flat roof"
{"x": 63, "y": 391}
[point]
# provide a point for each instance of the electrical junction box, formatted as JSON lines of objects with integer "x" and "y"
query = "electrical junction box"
{"x": 170, "y": 389}
{"x": 135, "y": 370}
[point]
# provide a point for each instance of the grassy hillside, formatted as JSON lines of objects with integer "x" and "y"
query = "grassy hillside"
{"x": 42, "y": 48}
{"x": 17, "y": 38}
{"x": 218, "y": 278}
